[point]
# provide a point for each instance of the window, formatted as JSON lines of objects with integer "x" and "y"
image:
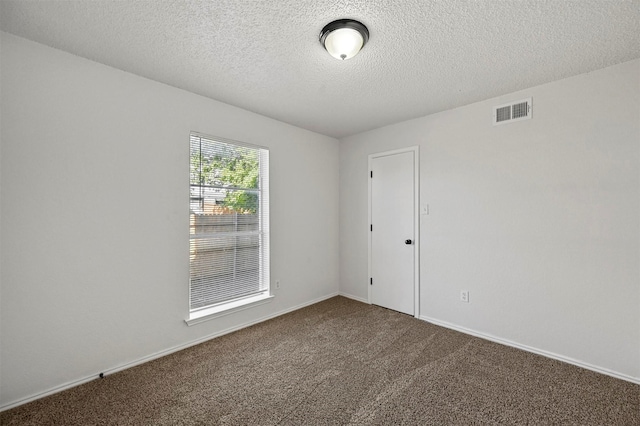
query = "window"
{"x": 229, "y": 225}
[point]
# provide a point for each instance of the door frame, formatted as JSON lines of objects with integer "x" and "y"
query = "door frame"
{"x": 416, "y": 221}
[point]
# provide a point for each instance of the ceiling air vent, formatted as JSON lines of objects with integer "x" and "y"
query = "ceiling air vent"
{"x": 514, "y": 111}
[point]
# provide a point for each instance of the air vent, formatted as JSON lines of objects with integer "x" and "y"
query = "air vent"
{"x": 515, "y": 111}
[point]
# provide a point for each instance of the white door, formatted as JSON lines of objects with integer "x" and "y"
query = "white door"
{"x": 393, "y": 193}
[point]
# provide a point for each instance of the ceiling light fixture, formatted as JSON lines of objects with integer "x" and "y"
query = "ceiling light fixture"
{"x": 344, "y": 38}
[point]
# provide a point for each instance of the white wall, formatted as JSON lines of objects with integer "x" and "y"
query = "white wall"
{"x": 94, "y": 216}
{"x": 539, "y": 219}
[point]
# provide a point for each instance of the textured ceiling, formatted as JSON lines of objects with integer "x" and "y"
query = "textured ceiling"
{"x": 264, "y": 56}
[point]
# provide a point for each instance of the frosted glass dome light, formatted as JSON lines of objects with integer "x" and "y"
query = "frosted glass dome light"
{"x": 344, "y": 38}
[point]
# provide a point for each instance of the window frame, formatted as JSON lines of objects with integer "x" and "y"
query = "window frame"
{"x": 227, "y": 307}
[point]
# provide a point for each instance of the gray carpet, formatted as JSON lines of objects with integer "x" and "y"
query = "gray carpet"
{"x": 343, "y": 362}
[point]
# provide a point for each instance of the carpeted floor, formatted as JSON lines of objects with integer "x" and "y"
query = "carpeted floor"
{"x": 343, "y": 362}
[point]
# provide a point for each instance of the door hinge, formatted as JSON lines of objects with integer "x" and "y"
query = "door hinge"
{"x": 370, "y": 281}
{"x": 372, "y": 228}
{"x": 371, "y": 173}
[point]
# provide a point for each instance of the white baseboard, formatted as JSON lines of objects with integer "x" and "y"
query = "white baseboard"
{"x": 537, "y": 351}
{"x": 160, "y": 354}
{"x": 356, "y": 298}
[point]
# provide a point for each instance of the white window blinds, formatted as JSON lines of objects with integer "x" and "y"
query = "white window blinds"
{"x": 229, "y": 221}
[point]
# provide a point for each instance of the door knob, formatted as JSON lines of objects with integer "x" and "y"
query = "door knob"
{"x": 407, "y": 241}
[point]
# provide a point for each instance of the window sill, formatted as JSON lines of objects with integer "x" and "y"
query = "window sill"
{"x": 226, "y": 309}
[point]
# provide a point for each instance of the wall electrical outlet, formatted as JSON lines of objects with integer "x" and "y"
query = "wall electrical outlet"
{"x": 464, "y": 296}
{"x": 277, "y": 284}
